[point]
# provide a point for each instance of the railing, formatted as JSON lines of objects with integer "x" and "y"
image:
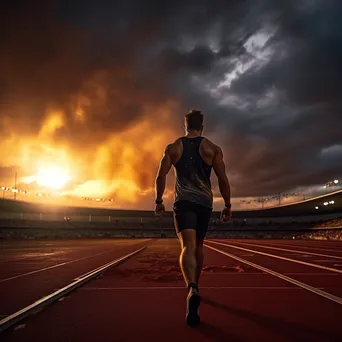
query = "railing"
{"x": 153, "y": 220}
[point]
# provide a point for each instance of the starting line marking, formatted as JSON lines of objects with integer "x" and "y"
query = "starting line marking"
{"x": 279, "y": 275}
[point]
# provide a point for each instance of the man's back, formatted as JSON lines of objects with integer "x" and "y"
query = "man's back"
{"x": 207, "y": 150}
{"x": 192, "y": 158}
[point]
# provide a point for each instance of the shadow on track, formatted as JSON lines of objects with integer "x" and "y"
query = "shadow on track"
{"x": 216, "y": 334}
{"x": 292, "y": 330}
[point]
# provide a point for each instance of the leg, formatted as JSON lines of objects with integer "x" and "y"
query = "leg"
{"x": 188, "y": 264}
{"x": 203, "y": 217}
{"x": 199, "y": 259}
{"x": 187, "y": 259}
{"x": 185, "y": 219}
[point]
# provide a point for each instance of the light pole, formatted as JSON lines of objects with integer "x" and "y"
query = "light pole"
{"x": 279, "y": 198}
{"x": 15, "y": 186}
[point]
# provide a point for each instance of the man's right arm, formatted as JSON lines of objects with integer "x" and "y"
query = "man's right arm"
{"x": 220, "y": 171}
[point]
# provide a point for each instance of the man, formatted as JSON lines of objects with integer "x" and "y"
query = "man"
{"x": 193, "y": 158}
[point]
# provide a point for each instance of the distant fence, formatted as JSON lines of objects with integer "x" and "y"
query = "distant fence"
{"x": 167, "y": 221}
{"x": 77, "y": 218}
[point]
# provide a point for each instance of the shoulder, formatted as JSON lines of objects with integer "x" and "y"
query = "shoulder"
{"x": 172, "y": 147}
{"x": 215, "y": 148}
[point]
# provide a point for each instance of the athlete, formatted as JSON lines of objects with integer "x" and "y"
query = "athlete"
{"x": 193, "y": 158}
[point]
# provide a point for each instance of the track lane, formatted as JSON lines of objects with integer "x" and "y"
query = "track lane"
{"x": 317, "y": 277}
{"x": 25, "y": 290}
{"x": 283, "y": 250}
{"x": 39, "y": 255}
{"x": 322, "y": 246}
{"x": 144, "y": 299}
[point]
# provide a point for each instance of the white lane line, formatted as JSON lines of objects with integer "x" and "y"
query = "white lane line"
{"x": 53, "y": 266}
{"x": 58, "y": 265}
{"x": 289, "y": 250}
{"x": 41, "y": 255}
{"x": 183, "y": 288}
{"x": 314, "y": 274}
{"x": 281, "y": 258}
{"x": 263, "y": 274}
{"x": 69, "y": 249}
{"x": 43, "y": 302}
{"x": 305, "y": 247}
{"x": 326, "y": 260}
{"x": 281, "y": 276}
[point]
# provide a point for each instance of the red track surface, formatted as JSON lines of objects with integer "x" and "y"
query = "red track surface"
{"x": 25, "y": 275}
{"x": 144, "y": 299}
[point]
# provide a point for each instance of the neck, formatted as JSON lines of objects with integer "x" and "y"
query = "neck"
{"x": 193, "y": 134}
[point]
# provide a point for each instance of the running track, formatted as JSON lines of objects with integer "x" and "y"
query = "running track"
{"x": 253, "y": 290}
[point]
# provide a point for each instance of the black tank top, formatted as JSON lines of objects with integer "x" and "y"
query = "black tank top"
{"x": 193, "y": 175}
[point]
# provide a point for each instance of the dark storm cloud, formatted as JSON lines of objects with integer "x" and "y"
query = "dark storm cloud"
{"x": 305, "y": 74}
{"x": 273, "y": 120}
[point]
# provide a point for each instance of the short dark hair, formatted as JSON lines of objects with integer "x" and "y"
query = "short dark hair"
{"x": 194, "y": 120}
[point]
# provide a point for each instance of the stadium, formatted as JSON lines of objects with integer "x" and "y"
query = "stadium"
{"x": 170, "y": 171}
{"x": 318, "y": 217}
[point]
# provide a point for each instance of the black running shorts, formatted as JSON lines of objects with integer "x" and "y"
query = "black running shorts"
{"x": 189, "y": 215}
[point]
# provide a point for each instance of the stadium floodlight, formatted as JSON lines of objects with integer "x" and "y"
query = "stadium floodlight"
{"x": 336, "y": 181}
{"x": 331, "y": 202}
{"x": 326, "y": 203}
{"x": 316, "y": 208}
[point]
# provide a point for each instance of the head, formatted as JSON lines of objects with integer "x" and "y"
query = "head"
{"x": 194, "y": 121}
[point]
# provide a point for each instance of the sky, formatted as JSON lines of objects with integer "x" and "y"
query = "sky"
{"x": 95, "y": 90}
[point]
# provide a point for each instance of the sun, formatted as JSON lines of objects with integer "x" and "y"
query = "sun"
{"x": 52, "y": 177}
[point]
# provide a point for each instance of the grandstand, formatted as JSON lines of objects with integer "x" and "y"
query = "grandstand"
{"x": 18, "y": 219}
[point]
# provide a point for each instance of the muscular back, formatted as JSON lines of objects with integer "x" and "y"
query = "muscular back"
{"x": 193, "y": 158}
{"x": 208, "y": 150}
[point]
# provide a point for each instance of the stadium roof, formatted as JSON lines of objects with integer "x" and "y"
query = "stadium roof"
{"x": 328, "y": 203}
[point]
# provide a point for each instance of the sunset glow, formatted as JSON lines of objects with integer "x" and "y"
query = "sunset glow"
{"x": 52, "y": 177}
{"x": 120, "y": 165}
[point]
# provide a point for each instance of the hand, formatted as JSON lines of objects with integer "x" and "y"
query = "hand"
{"x": 160, "y": 209}
{"x": 226, "y": 214}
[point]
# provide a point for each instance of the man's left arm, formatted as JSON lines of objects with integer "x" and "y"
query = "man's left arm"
{"x": 164, "y": 168}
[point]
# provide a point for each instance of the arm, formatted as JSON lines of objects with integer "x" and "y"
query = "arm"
{"x": 164, "y": 168}
{"x": 220, "y": 171}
